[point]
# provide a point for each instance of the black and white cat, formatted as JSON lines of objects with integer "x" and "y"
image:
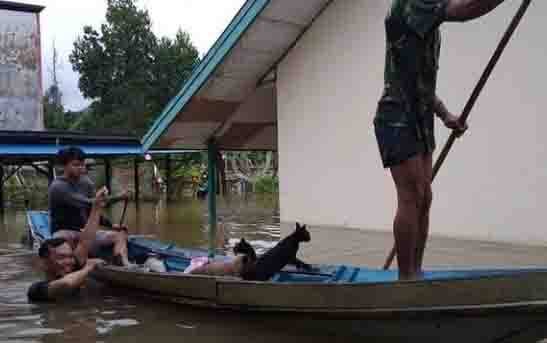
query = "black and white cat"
{"x": 276, "y": 258}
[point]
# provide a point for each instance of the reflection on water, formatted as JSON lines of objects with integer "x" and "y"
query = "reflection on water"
{"x": 111, "y": 315}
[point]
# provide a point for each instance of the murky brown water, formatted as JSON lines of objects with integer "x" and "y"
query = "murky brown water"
{"x": 112, "y": 315}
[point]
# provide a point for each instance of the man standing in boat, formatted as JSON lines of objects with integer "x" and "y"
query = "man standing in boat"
{"x": 404, "y": 119}
{"x": 70, "y": 205}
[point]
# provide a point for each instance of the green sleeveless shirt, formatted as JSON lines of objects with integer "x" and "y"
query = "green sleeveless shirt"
{"x": 412, "y": 60}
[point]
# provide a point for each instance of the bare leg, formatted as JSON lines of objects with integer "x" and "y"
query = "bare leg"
{"x": 409, "y": 182}
{"x": 118, "y": 241}
{"x": 120, "y": 247}
{"x": 423, "y": 230}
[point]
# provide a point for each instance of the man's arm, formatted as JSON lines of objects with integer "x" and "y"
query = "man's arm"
{"x": 440, "y": 109}
{"x": 123, "y": 196}
{"x": 63, "y": 193}
{"x": 463, "y": 10}
{"x": 450, "y": 120}
{"x": 110, "y": 200}
{"x": 72, "y": 281}
{"x": 89, "y": 232}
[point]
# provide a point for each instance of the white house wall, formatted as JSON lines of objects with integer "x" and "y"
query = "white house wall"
{"x": 494, "y": 183}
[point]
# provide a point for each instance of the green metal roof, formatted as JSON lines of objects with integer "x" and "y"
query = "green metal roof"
{"x": 237, "y": 27}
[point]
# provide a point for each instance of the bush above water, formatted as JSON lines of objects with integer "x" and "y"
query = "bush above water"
{"x": 267, "y": 185}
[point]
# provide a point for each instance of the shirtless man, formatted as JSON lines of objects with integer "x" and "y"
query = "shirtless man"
{"x": 67, "y": 269}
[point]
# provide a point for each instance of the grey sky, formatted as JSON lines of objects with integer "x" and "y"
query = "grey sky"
{"x": 63, "y": 20}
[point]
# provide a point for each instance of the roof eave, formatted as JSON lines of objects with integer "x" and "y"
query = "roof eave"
{"x": 216, "y": 55}
{"x": 20, "y": 7}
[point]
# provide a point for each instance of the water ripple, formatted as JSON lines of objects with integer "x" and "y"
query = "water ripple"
{"x": 106, "y": 326}
{"x": 35, "y": 332}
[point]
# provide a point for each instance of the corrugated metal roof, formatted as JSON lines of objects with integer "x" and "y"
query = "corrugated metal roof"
{"x": 35, "y": 145}
{"x": 225, "y": 97}
{"x": 49, "y": 150}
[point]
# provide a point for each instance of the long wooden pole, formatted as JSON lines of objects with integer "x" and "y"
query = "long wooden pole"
{"x": 122, "y": 218}
{"x": 473, "y": 99}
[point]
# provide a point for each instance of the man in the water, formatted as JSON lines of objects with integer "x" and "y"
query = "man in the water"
{"x": 66, "y": 268}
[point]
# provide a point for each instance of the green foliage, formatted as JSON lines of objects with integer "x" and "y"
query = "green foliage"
{"x": 188, "y": 166}
{"x": 128, "y": 72}
{"x": 173, "y": 64}
{"x": 187, "y": 171}
{"x": 55, "y": 116}
{"x": 54, "y": 113}
{"x": 267, "y": 185}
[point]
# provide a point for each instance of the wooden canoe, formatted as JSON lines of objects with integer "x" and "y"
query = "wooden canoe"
{"x": 485, "y": 304}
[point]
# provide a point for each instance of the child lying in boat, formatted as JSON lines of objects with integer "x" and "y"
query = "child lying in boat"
{"x": 248, "y": 266}
{"x": 206, "y": 266}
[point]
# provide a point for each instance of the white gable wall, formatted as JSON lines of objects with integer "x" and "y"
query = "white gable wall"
{"x": 494, "y": 183}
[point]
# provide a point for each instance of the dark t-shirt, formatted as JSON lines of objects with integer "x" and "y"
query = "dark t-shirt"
{"x": 70, "y": 205}
{"x": 38, "y": 291}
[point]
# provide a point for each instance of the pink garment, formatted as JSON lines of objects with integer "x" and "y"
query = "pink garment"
{"x": 195, "y": 263}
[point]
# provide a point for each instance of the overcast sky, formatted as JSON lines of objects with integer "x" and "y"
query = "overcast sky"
{"x": 63, "y": 20}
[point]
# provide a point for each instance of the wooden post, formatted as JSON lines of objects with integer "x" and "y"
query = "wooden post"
{"x": 136, "y": 179}
{"x": 108, "y": 174}
{"x": 211, "y": 195}
{"x": 1, "y": 189}
{"x": 50, "y": 172}
{"x": 168, "y": 177}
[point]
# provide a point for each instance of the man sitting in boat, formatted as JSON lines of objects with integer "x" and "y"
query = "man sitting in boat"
{"x": 66, "y": 268}
{"x": 69, "y": 208}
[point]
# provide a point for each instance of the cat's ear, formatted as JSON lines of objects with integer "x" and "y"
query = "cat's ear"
{"x": 243, "y": 240}
{"x": 304, "y": 227}
{"x": 297, "y": 225}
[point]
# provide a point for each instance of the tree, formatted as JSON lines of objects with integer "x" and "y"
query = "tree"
{"x": 255, "y": 167}
{"x": 173, "y": 64}
{"x": 115, "y": 65}
{"x": 54, "y": 112}
{"x": 126, "y": 70}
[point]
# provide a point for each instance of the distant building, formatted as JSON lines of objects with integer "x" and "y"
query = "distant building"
{"x": 20, "y": 67}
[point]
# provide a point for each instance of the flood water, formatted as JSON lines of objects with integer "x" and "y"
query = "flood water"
{"x": 114, "y": 316}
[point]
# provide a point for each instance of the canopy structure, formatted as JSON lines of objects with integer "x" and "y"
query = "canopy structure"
{"x": 19, "y": 147}
{"x": 20, "y": 7}
{"x": 230, "y": 101}
{"x": 231, "y": 95}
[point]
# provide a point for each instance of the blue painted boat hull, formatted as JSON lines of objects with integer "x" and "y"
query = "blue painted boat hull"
{"x": 349, "y": 293}
{"x": 177, "y": 259}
